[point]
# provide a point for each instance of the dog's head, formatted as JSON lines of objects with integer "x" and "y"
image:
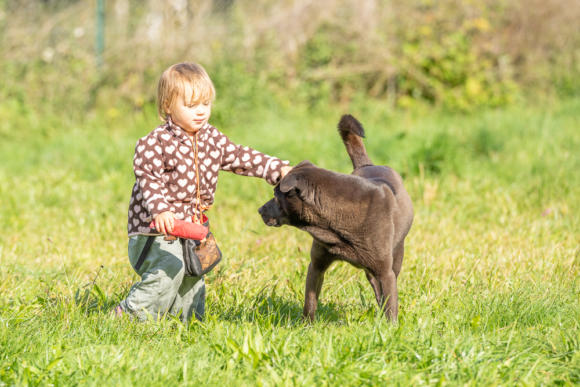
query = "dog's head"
{"x": 293, "y": 198}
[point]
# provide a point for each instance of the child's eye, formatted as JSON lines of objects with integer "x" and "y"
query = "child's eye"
{"x": 193, "y": 105}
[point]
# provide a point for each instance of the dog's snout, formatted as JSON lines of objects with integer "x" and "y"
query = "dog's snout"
{"x": 271, "y": 213}
{"x": 266, "y": 209}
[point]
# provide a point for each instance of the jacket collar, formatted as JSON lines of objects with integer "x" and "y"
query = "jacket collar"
{"x": 181, "y": 134}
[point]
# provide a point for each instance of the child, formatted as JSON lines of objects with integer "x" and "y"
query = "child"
{"x": 166, "y": 164}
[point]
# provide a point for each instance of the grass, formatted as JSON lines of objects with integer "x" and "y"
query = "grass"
{"x": 489, "y": 291}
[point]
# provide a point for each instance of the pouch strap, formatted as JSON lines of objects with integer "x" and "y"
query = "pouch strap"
{"x": 144, "y": 252}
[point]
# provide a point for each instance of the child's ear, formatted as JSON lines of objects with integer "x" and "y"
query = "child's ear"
{"x": 167, "y": 109}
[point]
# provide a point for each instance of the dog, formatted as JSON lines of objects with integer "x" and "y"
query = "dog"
{"x": 361, "y": 218}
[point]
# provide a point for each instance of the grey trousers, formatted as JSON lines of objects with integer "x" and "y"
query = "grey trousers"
{"x": 164, "y": 288}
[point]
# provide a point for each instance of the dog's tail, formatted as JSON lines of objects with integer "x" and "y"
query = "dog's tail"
{"x": 352, "y": 134}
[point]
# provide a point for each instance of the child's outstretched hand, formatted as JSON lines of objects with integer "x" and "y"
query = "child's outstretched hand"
{"x": 164, "y": 222}
{"x": 284, "y": 171}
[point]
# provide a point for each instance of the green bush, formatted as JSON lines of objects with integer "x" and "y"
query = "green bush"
{"x": 450, "y": 53}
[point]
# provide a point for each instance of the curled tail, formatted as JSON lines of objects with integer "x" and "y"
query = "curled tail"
{"x": 352, "y": 134}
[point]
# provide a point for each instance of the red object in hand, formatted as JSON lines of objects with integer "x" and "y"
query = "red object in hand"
{"x": 187, "y": 230}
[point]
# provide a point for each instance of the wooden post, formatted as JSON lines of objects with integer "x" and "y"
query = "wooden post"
{"x": 100, "y": 33}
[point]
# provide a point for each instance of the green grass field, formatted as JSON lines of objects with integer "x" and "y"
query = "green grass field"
{"x": 489, "y": 291}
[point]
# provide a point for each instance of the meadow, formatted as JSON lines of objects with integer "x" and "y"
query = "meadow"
{"x": 475, "y": 103}
{"x": 489, "y": 291}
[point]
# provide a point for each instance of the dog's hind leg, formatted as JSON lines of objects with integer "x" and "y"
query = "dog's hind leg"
{"x": 398, "y": 254}
{"x": 320, "y": 261}
{"x": 385, "y": 293}
{"x": 376, "y": 286}
{"x": 389, "y": 296}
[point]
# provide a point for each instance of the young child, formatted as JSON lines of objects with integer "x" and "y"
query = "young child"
{"x": 166, "y": 188}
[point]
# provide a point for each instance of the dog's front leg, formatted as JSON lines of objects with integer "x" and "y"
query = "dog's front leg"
{"x": 319, "y": 262}
{"x": 314, "y": 281}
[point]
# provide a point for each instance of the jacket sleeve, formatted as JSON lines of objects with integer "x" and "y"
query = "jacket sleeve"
{"x": 148, "y": 165}
{"x": 246, "y": 161}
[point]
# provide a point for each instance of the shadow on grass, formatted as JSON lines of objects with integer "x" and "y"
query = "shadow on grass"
{"x": 273, "y": 310}
{"x": 93, "y": 300}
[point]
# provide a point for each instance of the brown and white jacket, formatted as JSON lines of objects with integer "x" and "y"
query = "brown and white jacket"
{"x": 165, "y": 172}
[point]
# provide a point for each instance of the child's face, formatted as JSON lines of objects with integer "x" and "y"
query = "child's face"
{"x": 190, "y": 116}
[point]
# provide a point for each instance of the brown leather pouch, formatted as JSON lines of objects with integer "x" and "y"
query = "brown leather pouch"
{"x": 200, "y": 257}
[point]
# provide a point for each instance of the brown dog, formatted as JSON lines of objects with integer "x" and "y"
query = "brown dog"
{"x": 362, "y": 218}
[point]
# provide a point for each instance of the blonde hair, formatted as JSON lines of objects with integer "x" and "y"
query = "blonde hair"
{"x": 173, "y": 82}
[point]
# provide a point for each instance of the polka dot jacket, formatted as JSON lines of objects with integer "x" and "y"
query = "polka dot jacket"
{"x": 165, "y": 173}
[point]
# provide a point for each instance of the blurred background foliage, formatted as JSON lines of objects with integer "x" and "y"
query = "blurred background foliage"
{"x": 459, "y": 55}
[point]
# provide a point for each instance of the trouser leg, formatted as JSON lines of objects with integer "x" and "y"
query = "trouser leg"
{"x": 190, "y": 299}
{"x": 163, "y": 288}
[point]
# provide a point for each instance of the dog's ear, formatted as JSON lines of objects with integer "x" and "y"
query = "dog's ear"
{"x": 297, "y": 182}
{"x": 303, "y": 163}
{"x": 288, "y": 183}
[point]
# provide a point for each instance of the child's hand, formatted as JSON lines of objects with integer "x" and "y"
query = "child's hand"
{"x": 284, "y": 171}
{"x": 164, "y": 222}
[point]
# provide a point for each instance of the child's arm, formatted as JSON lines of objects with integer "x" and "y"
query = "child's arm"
{"x": 246, "y": 161}
{"x": 148, "y": 167}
